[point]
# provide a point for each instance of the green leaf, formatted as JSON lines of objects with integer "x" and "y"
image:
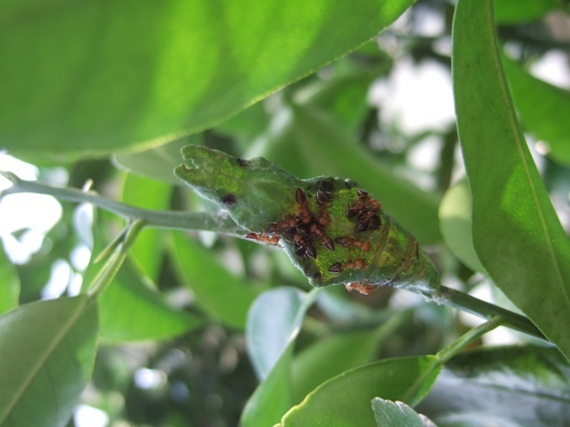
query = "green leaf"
{"x": 307, "y": 216}
{"x": 48, "y": 350}
{"x": 222, "y": 295}
{"x": 504, "y": 386}
{"x": 314, "y": 365}
{"x": 95, "y": 77}
{"x": 455, "y": 223}
{"x": 345, "y": 399}
{"x": 156, "y": 162}
{"x": 148, "y": 248}
{"x": 9, "y": 283}
{"x": 388, "y": 413}
{"x": 518, "y": 11}
{"x": 516, "y": 233}
{"x": 313, "y": 143}
{"x": 274, "y": 322}
{"x": 543, "y": 109}
{"x": 129, "y": 310}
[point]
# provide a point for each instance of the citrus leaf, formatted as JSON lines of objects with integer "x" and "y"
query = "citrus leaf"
{"x": 48, "y": 350}
{"x": 147, "y": 250}
{"x": 516, "y": 232}
{"x": 92, "y": 78}
{"x": 9, "y": 283}
{"x": 212, "y": 284}
{"x": 456, "y": 224}
{"x": 388, "y": 413}
{"x": 502, "y": 386}
{"x": 543, "y": 109}
{"x": 317, "y": 221}
{"x": 518, "y": 11}
{"x": 309, "y": 141}
{"x": 345, "y": 399}
{"x": 131, "y": 311}
{"x": 274, "y": 322}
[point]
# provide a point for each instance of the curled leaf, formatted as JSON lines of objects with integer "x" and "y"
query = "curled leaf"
{"x": 333, "y": 231}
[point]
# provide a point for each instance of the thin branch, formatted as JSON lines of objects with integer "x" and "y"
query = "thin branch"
{"x": 223, "y": 223}
{"x": 219, "y": 222}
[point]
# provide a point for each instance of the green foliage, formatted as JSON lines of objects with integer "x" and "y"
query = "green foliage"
{"x": 193, "y": 325}
{"x": 515, "y": 227}
{"x": 142, "y": 86}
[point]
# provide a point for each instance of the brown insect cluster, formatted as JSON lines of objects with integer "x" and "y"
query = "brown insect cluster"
{"x": 365, "y": 212}
{"x": 303, "y": 229}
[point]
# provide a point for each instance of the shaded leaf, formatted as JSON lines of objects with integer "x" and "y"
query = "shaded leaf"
{"x": 314, "y": 365}
{"x": 95, "y": 77}
{"x": 274, "y": 322}
{"x": 148, "y": 248}
{"x": 543, "y": 109}
{"x": 502, "y": 386}
{"x": 455, "y": 223}
{"x": 131, "y": 311}
{"x": 48, "y": 349}
{"x": 156, "y": 162}
{"x": 212, "y": 284}
{"x": 518, "y": 11}
{"x": 388, "y": 413}
{"x": 516, "y": 233}
{"x": 345, "y": 399}
{"x": 9, "y": 283}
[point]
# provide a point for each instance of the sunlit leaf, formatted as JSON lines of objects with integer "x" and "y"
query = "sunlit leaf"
{"x": 48, "y": 349}
{"x": 516, "y": 232}
{"x": 94, "y": 77}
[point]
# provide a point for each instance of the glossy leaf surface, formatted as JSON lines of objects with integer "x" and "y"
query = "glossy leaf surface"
{"x": 48, "y": 349}
{"x": 274, "y": 322}
{"x": 516, "y": 232}
{"x": 94, "y": 77}
{"x": 388, "y": 413}
{"x": 502, "y": 386}
{"x": 345, "y": 399}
